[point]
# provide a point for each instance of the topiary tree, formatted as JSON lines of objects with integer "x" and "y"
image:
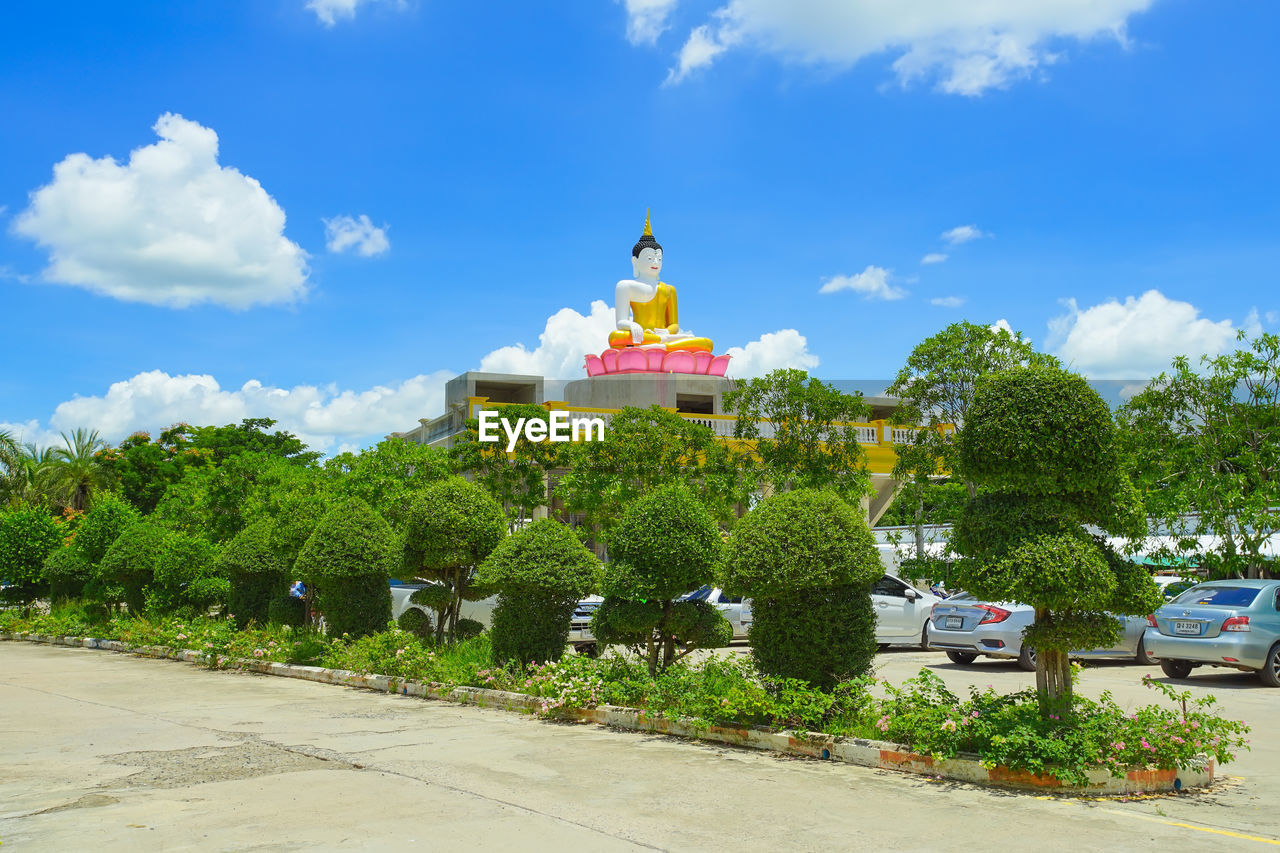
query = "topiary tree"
{"x": 541, "y": 572}
{"x": 808, "y": 560}
{"x": 345, "y": 563}
{"x": 450, "y": 528}
{"x": 131, "y": 561}
{"x": 106, "y": 519}
{"x": 665, "y": 545}
{"x": 67, "y": 572}
{"x": 27, "y": 538}
{"x": 256, "y": 573}
{"x": 185, "y": 577}
{"x": 1041, "y": 446}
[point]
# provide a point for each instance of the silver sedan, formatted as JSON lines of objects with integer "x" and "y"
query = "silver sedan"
{"x": 965, "y": 628}
{"x": 1233, "y": 623}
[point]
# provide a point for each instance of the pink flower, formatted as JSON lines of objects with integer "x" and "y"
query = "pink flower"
{"x": 883, "y": 724}
{"x": 257, "y": 653}
{"x": 949, "y": 725}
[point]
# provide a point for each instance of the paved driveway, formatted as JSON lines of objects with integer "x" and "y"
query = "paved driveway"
{"x": 107, "y": 751}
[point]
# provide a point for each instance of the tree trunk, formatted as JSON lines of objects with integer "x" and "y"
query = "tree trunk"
{"x": 653, "y": 655}
{"x": 1053, "y": 678}
{"x": 920, "y": 529}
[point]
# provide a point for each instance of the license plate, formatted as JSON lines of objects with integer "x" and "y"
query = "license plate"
{"x": 954, "y": 622}
{"x": 1186, "y": 628}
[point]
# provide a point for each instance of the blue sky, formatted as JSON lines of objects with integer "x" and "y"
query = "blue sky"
{"x": 1109, "y": 165}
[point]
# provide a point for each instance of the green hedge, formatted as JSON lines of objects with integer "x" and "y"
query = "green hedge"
{"x": 27, "y": 538}
{"x": 185, "y": 579}
{"x": 67, "y": 572}
{"x": 345, "y": 563}
{"x": 823, "y": 636}
{"x": 131, "y": 561}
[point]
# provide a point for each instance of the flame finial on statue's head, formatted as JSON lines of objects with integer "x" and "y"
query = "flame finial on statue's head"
{"x": 646, "y": 240}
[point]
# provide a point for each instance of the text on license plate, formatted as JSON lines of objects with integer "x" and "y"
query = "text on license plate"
{"x": 954, "y": 622}
{"x": 1186, "y": 627}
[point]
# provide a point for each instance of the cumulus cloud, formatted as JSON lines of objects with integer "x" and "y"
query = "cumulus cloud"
{"x": 329, "y": 12}
{"x": 323, "y": 417}
{"x": 873, "y": 283}
{"x": 343, "y": 232}
{"x": 933, "y": 258}
{"x": 170, "y": 227}
{"x": 962, "y": 234}
{"x": 647, "y": 19}
{"x": 565, "y": 340}
{"x": 1138, "y": 337}
{"x": 963, "y": 47}
{"x": 769, "y": 352}
{"x": 949, "y": 301}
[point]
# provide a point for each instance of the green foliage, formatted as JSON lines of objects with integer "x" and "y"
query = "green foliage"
{"x": 434, "y": 596}
{"x": 387, "y": 476}
{"x": 257, "y": 574}
{"x": 468, "y": 629}
{"x": 67, "y": 572}
{"x": 700, "y": 624}
{"x": 286, "y": 610}
{"x": 935, "y": 503}
{"x": 1039, "y": 431}
{"x": 540, "y": 571}
{"x": 644, "y": 450}
{"x": 806, "y": 539}
{"x": 516, "y": 480}
{"x": 251, "y": 436}
{"x": 814, "y": 443}
{"x": 27, "y": 538}
{"x": 345, "y": 564}
{"x": 143, "y": 469}
{"x": 184, "y": 576}
{"x": 666, "y": 544}
{"x": 105, "y": 521}
{"x": 450, "y": 528}
{"x": 618, "y": 621}
{"x": 131, "y": 561}
{"x": 1202, "y": 444}
{"x": 416, "y": 622}
{"x": 820, "y": 635}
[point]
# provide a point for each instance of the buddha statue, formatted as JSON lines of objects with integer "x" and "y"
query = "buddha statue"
{"x": 645, "y": 308}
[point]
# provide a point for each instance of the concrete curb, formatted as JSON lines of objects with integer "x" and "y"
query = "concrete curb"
{"x": 864, "y": 753}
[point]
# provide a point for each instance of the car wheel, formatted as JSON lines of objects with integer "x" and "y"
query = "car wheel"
{"x": 1270, "y": 672}
{"x": 1027, "y": 658}
{"x": 924, "y": 637}
{"x": 1176, "y": 668}
{"x": 1143, "y": 656}
{"x": 962, "y": 658}
{"x": 882, "y": 646}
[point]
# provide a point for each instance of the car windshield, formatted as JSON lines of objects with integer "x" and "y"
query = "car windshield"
{"x": 1218, "y": 596}
{"x": 700, "y": 594}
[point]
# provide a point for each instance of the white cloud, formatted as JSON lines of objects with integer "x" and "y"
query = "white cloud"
{"x": 647, "y": 19}
{"x": 566, "y": 339}
{"x": 1138, "y": 337}
{"x": 949, "y": 302}
{"x": 323, "y": 417}
{"x": 962, "y": 234}
{"x": 171, "y": 227}
{"x": 342, "y": 233}
{"x": 933, "y": 258}
{"x": 329, "y": 12}
{"x": 771, "y": 351}
{"x": 872, "y": 283}
{"x": 964, "y": 47}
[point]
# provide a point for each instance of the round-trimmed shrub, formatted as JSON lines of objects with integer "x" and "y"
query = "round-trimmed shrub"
{"x": 823, "y": 636}
{"x": 286, "y": 610}
{"x": 185, "y": 579}
{"x": 345, "y": 563}
{"x": 416, "y": 622}
{"x": 257, "y": 574}
{"x": 808, "y": 561}
{"x": 106, "y": 519}
{"x": 27, "y": 538}
{"x": 468, "y": 629}
{"x": 67, "y": 572}
{"x": 541, "y": 573}
{"x": 131, "y": 561}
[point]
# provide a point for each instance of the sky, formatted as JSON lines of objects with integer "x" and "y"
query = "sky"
{"x": 319, "y": 210}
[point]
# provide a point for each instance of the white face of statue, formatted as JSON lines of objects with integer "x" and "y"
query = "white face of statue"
{"x": 648, "y": 263}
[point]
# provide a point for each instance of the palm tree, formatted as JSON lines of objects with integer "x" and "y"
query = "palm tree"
{"x": 12, "y": 469}
{"x": 76, "y": 473}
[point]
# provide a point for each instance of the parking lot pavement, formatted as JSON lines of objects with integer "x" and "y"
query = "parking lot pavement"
{"x": 117, "y": 752}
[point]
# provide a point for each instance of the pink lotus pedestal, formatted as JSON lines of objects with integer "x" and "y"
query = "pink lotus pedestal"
{"x": 636, "y": 360}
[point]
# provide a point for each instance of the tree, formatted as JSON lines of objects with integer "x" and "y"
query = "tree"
{"x": 451, "y": 527}
{"x": 27, "y": 538}
{"x": 185, "y": 578}
{"x": 517, "y": 479}
{"x": 1041, "y": 446}
{"x": 256, "y": 572}
{"x": 346, "y": 564}
{"x": 66, "y": 572}
{"x": 387, "y": 476}
{"x": 1203, "y": 448}
{"x": 142, "y": 469}
{"x": 647, "y": 449}
{"x": 666, "y": 544}
{"x": 251, "y": 436}
{"x": 540, "y": 572}
{"x": 12, "y": 468}
{"x": 803, "y": 432}
{"x": 808, "y": 560}
{"x": 77, "y": 473}
{"x": 131, "y": 561}
{"x": 935, "y": 390}
{"x": 102, "y": 525}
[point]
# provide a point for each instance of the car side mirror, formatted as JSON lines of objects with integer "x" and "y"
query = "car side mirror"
{"x": 911, "y": 594}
